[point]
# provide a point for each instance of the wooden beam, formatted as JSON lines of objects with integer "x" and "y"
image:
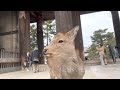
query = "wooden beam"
{"x": 8, "y": 33}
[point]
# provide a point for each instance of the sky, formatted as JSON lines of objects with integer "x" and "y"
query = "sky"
{"x": 95, "y": 21}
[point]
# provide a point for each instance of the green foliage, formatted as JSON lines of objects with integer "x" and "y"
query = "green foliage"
{"x": 92, "y": 52}
{"x": 33, "y": 36}
{"x": 49, "y": 30}
{"x": 101, "y": 37}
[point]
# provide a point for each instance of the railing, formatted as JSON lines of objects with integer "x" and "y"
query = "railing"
{"x": 9, "y": 61}
{"x": 8, "y": 54}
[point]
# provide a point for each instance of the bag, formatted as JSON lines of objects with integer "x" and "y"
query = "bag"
{"x": 36, "y": 60}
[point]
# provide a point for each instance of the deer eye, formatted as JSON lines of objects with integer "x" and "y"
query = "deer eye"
{"x": 60, "y": 41}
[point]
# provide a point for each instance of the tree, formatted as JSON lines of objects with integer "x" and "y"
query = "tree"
{"x": 92, "y": 52}
{"x": 100, "y": 37}
{"x": 33, "y": 36}
{"x": 49, "y": 31}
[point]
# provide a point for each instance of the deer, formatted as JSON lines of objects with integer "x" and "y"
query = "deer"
{"x": 62, "y": 59}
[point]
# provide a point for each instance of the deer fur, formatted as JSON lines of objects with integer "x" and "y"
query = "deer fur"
{"x": 62, "y": 59}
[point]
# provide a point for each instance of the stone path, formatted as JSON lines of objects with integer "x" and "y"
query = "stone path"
{"x": 111, "y": 71}
{"x": 25, "y": 75}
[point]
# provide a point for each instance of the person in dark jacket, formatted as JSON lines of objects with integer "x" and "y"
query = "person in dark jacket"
{"x": 118, "y": 48}
{"x": 112, "y": 52}
{"x": 35, "y": 60}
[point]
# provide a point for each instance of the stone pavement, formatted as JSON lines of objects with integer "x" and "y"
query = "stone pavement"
{"x": 25, "y": 75}
{"x": 110, "y": 71}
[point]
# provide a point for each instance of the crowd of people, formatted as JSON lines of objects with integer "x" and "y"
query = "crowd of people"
{"x": 101, "y": 50}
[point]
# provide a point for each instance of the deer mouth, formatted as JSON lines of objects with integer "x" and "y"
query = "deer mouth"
{"x": 47, "y": 54}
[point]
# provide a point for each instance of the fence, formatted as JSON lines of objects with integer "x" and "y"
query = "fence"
{"x": 9, "y": 61}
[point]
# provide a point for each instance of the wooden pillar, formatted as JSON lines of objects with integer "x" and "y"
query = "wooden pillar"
{"x": 79, "y": 38}
{"x": 66, "y": 20}
{"x": 63, "y": 20}
{"x": 24, "y": 32}
{"x": 27, "y": 32}
{"x": 40, "y": 39}
{"x": 116, "y": 25}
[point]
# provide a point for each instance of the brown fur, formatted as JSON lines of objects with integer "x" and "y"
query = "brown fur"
{"x": 63, "y": 61}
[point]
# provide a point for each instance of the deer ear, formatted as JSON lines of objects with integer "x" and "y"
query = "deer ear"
{"x": 73, "y": 32}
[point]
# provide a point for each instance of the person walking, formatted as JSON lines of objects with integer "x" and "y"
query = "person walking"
{"x": 35, "y": 59}
{"x": 112, "y": 53}
{"x": 101, "y": 52}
